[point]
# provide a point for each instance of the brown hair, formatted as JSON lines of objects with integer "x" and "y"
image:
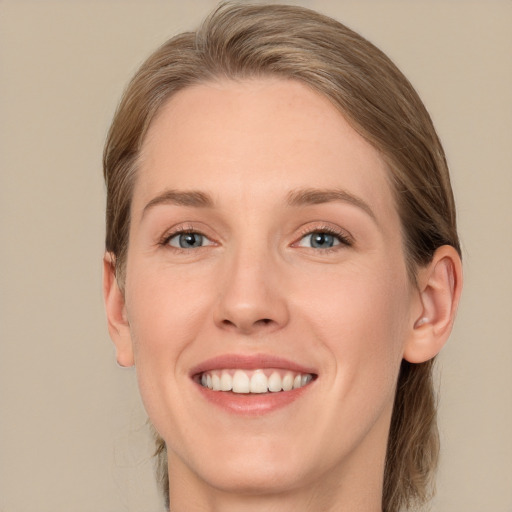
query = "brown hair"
{"x": 241, "y": 40}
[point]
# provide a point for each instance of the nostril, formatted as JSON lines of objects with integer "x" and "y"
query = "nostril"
{"x": 261, "y": 323}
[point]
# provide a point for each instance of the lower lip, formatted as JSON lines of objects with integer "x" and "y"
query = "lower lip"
{"x": 254, "y": 404}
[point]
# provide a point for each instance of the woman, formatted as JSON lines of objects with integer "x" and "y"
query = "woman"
{"x": 282, "y": 265}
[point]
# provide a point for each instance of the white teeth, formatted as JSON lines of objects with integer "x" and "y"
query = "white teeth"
{"x": 254, "y": 381}
{"x": 216, "y": 382}
{"x": 259, "y": 382}
{"x": 288, "y": 382}
{"x": 226, "y": 382}
{"x": 241, "y": 383}
{"x": 274, "y": 383}
{"x": 306, "y": 379}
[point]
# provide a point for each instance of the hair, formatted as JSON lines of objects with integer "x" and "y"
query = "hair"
{"x": 240, "y": 41}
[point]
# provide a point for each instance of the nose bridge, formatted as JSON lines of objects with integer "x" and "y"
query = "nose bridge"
{"x": 250, "y": 297}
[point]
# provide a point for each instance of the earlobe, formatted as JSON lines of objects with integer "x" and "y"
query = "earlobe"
{"x": 439, "y": 288}
{"x": 118, "y": 325}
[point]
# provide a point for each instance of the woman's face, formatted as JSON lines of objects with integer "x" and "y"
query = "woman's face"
{"x": 265, "y": 252}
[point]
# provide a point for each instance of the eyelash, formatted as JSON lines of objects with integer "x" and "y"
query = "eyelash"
{"x": 344, "y": 239}
{"x": 164, "y": 241}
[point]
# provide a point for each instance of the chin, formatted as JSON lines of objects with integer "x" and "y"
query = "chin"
{"x": 253, "y": 476}
{"x": 258, "y": 465}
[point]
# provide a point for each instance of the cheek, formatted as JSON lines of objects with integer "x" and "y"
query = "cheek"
{"x": 170, "y": 307}
{"x": 164, "y": 308}
{"x": 360, "y": 315}
{"x": 357, "y": 320}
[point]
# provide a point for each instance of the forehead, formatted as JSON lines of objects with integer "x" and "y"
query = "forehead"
{"x": 236, "y": 138}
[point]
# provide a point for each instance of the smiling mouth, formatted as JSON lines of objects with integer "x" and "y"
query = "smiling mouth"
{"x": 254, "y": 381}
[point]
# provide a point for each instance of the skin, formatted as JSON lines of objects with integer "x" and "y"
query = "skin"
{"x": 257, "y": 286}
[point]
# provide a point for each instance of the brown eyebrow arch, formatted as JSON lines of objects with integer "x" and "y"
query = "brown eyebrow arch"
{"x": 301, "y": 197}
{"x": 309, "y": 196}
{"x": 192, "y": 198}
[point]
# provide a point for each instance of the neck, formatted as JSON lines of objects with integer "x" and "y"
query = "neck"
{"x": 294, "y": 501}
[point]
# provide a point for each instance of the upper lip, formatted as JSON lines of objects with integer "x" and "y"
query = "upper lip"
{"x": 249, "y": 362}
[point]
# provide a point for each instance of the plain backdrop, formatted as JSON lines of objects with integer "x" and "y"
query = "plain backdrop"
{"x": 72, "y": 429}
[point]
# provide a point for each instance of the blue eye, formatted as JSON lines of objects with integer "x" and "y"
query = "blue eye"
{"x": 188, "y": 240}
{"x": 320, "y": 240}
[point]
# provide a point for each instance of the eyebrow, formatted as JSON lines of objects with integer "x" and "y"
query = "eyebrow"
{"x": 310, "y": 196}
{"x": 296, "y": 198}
{"x": 193, "y": 198}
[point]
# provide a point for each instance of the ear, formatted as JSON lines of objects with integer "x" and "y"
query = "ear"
{"x": 439, "y": 288}
{"x": 118, "y": 325}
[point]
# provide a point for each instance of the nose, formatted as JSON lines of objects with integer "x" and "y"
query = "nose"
{"x": 252, "y": 295}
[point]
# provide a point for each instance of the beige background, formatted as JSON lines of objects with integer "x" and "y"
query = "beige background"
{"x": 72, "y": 432}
